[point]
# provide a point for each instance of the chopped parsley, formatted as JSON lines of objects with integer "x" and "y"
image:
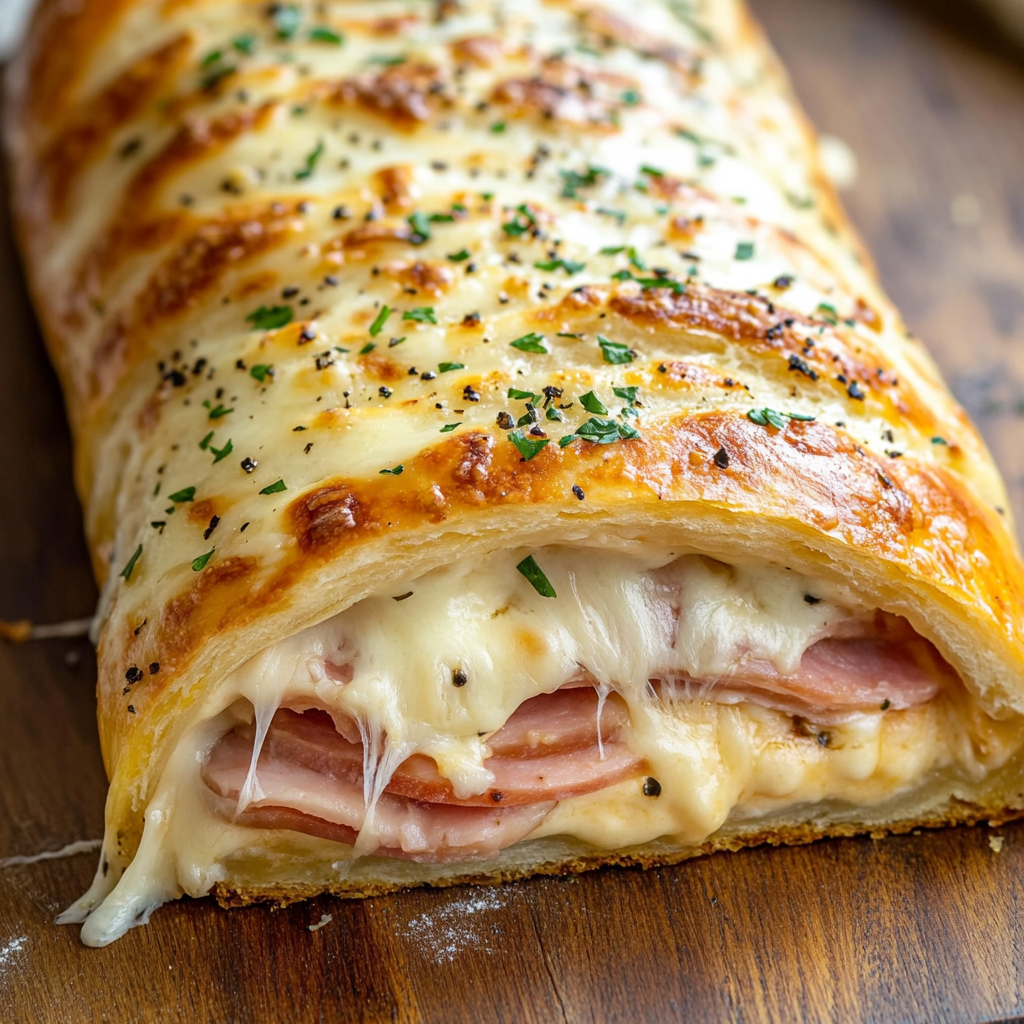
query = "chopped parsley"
{"x": 378, "y": 324}
{"x": 528, "y": 447}
{"x": 185, "y": 494}
{"x": 600, "y": 430}
{"x": 199, "y": 564}
{"x": 458, "y": 257}
{"x": 204, "y": 444}
{"x": 275, "y": 488}
{"x": 744, "y": 250}
{"x": 219, "y": 411}
{"x": 769, "y": 417}
{"x": 446, "y": 367}
{"x": 528, "y": 395}
{"x": 449, "y": 427}
{"x": 126, "y": 572}
{"x": 368, "y": 348}
{"x": 270, "y": 318}
{"x": 222, "y": 453}
{"x": 420, "y": 224}
{"x": 531, "y": 343}
{"x": 569, "y": 266}
{"x": 631, "y": 97}
{"x": 592, "y": 403}
{"x": 261, "y": 372}
{"x": 311, "y": 161}
{"x": 287, "y": 18}
{"x": 245, "y": 43}
{"x": 522, "y": 221}
{"x": 614, "y": 351}
{"x": 397, "y": 471}
{"x": 573, "y": 181}
{"x": 422, "y": 315}
{"x": 322, "y": 34}
{"x": 627, "y": 394}
{"x": 533, "y": 572}
{"x": 498, "y": 128}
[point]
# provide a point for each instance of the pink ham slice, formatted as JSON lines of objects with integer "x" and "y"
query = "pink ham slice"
{"x": 889, "y": 666}
{"x": 311, "y": 778}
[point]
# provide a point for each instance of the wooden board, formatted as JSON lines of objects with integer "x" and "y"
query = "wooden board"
{"x": 919, "y": 928}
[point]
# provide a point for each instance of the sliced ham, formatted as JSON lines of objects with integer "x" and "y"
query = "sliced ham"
{"x": 888, "y": 666}
{"x": 311, "y": 779}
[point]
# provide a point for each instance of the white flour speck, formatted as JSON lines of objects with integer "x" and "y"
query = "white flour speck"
{"x": 996, "y": 842}
{"x": 7, "y": 952}
{"x": 324, "y": 919}
{"x": 457, "y": 926}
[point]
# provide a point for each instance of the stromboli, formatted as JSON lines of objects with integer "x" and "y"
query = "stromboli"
{"x": 323, "y": 324}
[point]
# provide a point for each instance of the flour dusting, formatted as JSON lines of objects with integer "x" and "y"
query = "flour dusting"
{"x": 325, "y": 919}
{"x": 7, "y": 952}
{"x": 464, "y": 923}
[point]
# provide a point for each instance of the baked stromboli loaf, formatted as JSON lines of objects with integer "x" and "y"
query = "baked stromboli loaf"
{"x": 497, "y": 452}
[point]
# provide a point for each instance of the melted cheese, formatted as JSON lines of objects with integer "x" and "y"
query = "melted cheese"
{"x": 388, "y": 664}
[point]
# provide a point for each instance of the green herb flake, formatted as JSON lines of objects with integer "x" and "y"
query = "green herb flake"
{"x": 612, "y": 250}
{"x": 214, "y": 57}
{"x": 592, "y": 403}
{"x": 531, "y": 343}
{"x": 569, "y": 266}
{"x": 219, "y": 411}
{"x": 449, "y": 427}
{"x": 614, "y": 351}
{"x": 397, "y": 471}
{"x": 422, "y": 315}
{"x": 311, "y": 161}
{"x": 199, "y": 564}
{"x": 522, "y": 221}
{"x": 533, "y": 572}
{"x": 287, "y": 18}
{"x": 185, "y": 494}
{"x": 383, "y": 60}
{"x": 652, "y": 172}
{"x": 275, "y": 488}
{"x": 554, "y": 414}
{"x": 204, "y": 444}
{"x": 447, "y": 367}
{"x": 222, "y": 453}
{"x": 940, "y": 440}
{"x": 528, "y": 447}
{"x": 631, "y": 97}
{"x": 627, "y": 394}
{"x": 458, "y": 257}
{"x": 498, "y": 128}
{"x": 270, "y": 318}
{"x": 744, "y": 251}
{"x": 420, "y": 224}
{"x": 528, "y": 395}
{"x": 261, "y": 371}
{"x": 618, "y": 215}
{"x": 322, "y": 34}
{"x": 368, "y": 348}
{"x": 378, "y": 324}
{"x": 126, "y": 572}
{"x": 770, "y": 418}
{"x": 245, "y": 43}
{"x": 573, "y": 181}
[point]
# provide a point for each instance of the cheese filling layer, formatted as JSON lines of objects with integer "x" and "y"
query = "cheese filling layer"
{"x": 657, "y": 695}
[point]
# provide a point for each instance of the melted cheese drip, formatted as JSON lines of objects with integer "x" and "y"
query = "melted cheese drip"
{"x": 614, "y": 616}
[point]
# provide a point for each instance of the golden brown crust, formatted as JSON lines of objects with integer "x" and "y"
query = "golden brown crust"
{"x": 294, "y": 277}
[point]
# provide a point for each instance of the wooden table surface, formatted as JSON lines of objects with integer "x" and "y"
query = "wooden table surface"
{"x": 920, "y": 928}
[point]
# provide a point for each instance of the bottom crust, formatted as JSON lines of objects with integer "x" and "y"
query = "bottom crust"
{"x": 955, "y": 812}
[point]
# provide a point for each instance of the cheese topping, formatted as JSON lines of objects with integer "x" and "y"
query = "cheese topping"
{"x": 437, "y": 666}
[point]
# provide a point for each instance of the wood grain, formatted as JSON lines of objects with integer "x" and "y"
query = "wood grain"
{"x": 922, "y": 928}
